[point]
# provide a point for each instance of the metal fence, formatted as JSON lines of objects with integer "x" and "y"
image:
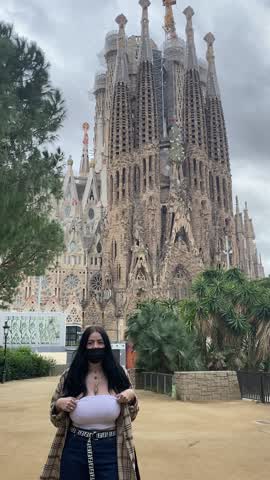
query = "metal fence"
{"x": 155, "y": 382}
{"x": 255, "y": 386}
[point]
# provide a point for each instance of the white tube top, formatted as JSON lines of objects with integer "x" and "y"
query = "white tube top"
{"x": 98, "y": 412}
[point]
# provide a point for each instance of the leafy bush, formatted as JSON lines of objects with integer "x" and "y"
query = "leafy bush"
{"x": 161, "y": 339}
{"x": 23, "y": 363}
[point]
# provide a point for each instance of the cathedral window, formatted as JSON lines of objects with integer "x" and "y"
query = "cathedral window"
{"x": 124, "y": 183}
{"x": 218, "y": 190}
{"x": 225, "y": 194}
{"x": 117, "y": 185}
{"x": 137, "y": 179}
{"x": 200, "y": 167}
{"x": 144, "y": 166}
{"x": 96, "y": 282}
{"x": 119, "y": 273}
{"x": 184, "y": 168}
{"x": 129, "y": 181}
{"x": 201, "y": 187}
{"x": 114, "y": 250}
{"x": 111, "y": 189}
{"x": 211, "y": 185}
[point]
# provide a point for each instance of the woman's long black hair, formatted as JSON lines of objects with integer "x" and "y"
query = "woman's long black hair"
{"x": 75, "y": 384}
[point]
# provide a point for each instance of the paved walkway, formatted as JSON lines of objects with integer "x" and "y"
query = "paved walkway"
{"x": 175, "y": 440}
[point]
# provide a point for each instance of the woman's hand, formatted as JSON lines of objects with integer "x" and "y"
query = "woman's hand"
{"x": 127, "y": 396}
{"x": 67, "y": 404}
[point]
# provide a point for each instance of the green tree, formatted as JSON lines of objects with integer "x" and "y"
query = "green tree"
{"x": 31, "y": 111}
{"x": 231, "y": 317}
{"x": 161, "y": 339}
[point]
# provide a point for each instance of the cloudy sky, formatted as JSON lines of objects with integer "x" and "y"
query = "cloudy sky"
{"x": 72, "y": 34}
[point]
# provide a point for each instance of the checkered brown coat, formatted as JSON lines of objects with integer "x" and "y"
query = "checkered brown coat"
{"x": 127, "y": 464}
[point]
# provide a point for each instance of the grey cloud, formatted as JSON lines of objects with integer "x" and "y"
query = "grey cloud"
{"x": 72, "y": 34}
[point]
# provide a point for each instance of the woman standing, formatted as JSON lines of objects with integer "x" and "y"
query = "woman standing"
{"x": 93, "y": 407}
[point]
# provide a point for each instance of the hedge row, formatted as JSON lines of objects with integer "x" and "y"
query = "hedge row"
{"x": 23, "y": 363}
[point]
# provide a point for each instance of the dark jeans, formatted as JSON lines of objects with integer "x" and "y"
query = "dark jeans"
{"x": 74, "y": 462}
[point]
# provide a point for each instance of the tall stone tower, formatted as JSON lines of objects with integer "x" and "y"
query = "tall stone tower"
{"x": 196, "y": 166}
{"x": 146, "y": 188}
{"x": 220, "y": 183}
{"x": 153, "y": 208}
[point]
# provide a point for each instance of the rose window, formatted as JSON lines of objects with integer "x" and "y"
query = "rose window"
{"x": 96, "y": 282}
{"x": 71, "y": 281}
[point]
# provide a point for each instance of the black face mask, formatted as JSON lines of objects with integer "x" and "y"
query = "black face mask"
{"x": 95, "y": 355}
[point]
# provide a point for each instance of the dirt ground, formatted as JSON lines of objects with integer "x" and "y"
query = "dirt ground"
{"x": 174, "y": 440}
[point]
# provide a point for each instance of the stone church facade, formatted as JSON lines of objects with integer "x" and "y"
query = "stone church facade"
{"x": 154, "y": 206}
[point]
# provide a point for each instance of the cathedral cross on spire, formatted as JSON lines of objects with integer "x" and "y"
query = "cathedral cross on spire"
{"x": 169, "y": 25}
{"x": 145, "y": 3}
{"x": 191, "y": 57}
{"x": 189, "y": 12}
{"x": 121, "y": 20}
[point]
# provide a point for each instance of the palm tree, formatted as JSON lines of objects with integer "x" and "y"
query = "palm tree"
{"x": 214, "y": 312}
{"x": 161, "y": 339}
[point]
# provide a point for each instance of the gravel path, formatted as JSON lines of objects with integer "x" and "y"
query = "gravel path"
{"x": 174, "y": 440}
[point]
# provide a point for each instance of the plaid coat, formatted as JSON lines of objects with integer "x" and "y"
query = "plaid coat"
{"x": 126, "y": 456}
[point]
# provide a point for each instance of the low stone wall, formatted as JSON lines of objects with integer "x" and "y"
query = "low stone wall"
{"x": 205, "y": 386}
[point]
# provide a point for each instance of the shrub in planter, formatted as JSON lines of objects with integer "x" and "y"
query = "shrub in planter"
{"x": 23, "y": 363}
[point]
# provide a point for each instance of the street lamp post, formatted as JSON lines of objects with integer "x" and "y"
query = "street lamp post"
{"x": 6, "y": 328}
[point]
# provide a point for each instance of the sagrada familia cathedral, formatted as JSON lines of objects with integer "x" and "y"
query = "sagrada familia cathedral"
{"x": 153, "y": 207}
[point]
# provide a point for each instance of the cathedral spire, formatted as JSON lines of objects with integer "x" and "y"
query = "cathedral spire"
{"x": 120, "y": 115}
{"x": 193, "y": 106}
{"x": 169, "y": 24}
{"x": 121, "y": 68}
{"x": 212, "y": 88}
{"x": 216, "y": 129}
{"x": 237, "y": 205}
{"x": 84, "y": 166}
{"x": 146, "y": 108}
{"x": 146, "y": 49}
{"x": 191, "y": 57}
